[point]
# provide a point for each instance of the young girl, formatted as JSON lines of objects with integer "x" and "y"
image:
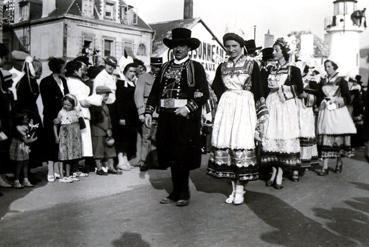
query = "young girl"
{"x": 19, "y": 148}
{"x": 69, "y": 138}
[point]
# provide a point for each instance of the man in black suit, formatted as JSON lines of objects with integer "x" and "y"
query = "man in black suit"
{"x": 179, "y": 91}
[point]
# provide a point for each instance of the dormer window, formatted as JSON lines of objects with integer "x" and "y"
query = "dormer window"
{"x": 109, "y": 10}
{"x": 23, "y": 10}
{"x": 123, "y": 14}
{"x": 88, "y": 8}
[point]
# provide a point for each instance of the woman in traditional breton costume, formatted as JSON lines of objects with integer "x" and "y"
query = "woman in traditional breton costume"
{"x": 281, "y": 145}
{"x": 241, "y": 110}
{"x": 335, "y": 125}
{"x": 305, "y": 104}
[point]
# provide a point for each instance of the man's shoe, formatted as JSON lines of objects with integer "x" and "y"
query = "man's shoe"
{"x": 117, "y": 172}
{"x": 144, "y": 168}
{"x": 182, "y": 203}
{"x": 166, "y": 200}
{"x": 101, "y": 172}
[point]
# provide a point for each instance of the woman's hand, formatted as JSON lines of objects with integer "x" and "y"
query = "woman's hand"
{"x": 57, "y": 140}
{"x": 141, "y": 117}
{"x": 109, "y": 133}
{"x": 122, "y": 122}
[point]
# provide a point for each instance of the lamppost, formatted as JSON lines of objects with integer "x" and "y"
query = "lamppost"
{"x": 255, "y": 33}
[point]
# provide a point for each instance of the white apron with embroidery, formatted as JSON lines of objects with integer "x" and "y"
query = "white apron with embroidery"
{"x": 282, "y": 129}
{"x": 235, "y": 118}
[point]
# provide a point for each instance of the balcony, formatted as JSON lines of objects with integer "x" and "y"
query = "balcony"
{"x": 342, "y": 23}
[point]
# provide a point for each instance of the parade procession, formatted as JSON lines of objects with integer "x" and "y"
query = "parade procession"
{"x": 187, "y": 131}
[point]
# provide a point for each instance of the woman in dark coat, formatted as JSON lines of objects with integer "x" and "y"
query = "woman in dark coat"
{"x": 6, "y": 105}
{"x": 126, "y": 118}
{"x": 27, "y": 94}
{"x": 52, "y": 89}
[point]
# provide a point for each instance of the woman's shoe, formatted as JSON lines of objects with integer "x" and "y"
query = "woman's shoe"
{"x": 323, "y": 172}
{"x": 278, "y": 186}
{"x": 27, "y": 183}
{"x": 230, "y": 198}
{"x": 4, "y": 183}
{"x": 239, "y": 195}
{"x": 339, "y": 167}
{"x": 269, "y": 182}
{"x": 295, "y": 176}
{"x": 17, "y": 184}
{"x": 50, "y": 178}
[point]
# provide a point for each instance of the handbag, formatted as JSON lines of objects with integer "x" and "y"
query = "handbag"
{"x": 82, "y": 124}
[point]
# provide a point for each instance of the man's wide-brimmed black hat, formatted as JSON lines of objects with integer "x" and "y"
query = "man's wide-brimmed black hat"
{"x": 181, "y": 36}
{"x": 267, "y": 53}
{"x": 251, "y": 47}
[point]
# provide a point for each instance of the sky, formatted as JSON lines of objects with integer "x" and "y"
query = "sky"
{"x": 279, "y": 16}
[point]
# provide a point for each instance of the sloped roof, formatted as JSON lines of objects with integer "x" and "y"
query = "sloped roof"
{"x": 163, "y": 30}
{"x": 72, "y": 7}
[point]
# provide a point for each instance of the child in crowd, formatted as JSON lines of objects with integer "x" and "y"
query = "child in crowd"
{"x": 69, "y": 137}
{"x": 19, "y": 148}
{"x": 102, "y": 141}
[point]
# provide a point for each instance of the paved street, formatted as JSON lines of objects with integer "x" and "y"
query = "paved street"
{"x": 124, "y": 211}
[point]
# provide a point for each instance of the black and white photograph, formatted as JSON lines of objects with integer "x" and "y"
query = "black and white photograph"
{"x": 184, "y": 123}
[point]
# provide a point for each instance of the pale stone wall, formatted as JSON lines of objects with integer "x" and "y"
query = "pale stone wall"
{"x": 77, "y": 31}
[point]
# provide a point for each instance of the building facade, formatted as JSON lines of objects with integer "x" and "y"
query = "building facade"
{"x": 61, "y": 28}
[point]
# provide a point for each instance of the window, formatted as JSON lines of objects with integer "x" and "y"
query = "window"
{"x": 108, "y": 47}
{"x": 88, "y": 8}
{"x": 23, "y": 11}
{"x": 128, "y": 48}
{"x": 109, "y": 10}
{"x": 141, "y": 51}
{"x": 135, "y": 18}
{"x": 123, "y": 14}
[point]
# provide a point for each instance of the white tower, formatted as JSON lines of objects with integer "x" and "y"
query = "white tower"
{"x": 343, "y": 33}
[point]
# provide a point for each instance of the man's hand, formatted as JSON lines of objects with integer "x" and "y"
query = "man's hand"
{"x": 148, "y": 120}
{"x": 109, "y": 133}
{"x": 141, "y": 117}
{"x": 182, "y": 111}
{"x": 122, "y": 122}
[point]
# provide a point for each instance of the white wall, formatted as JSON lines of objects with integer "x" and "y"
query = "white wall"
{"x": 76, "y": 29}
{"x": 211, "y": 61}
{"x": 344, "y": 50}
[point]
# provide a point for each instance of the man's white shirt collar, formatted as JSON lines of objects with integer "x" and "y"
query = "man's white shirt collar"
{"x": 182, "y": 60}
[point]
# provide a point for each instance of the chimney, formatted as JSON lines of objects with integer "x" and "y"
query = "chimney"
{"x": 48, "y": 6}
{"x": 188, "y": 9}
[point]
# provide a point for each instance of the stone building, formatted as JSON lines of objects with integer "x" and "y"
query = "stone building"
{"x": 61, "y": 28}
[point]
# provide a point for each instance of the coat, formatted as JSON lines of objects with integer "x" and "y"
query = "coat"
{"x": 52, "y": 100}
{"x": 178, "y": 138}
